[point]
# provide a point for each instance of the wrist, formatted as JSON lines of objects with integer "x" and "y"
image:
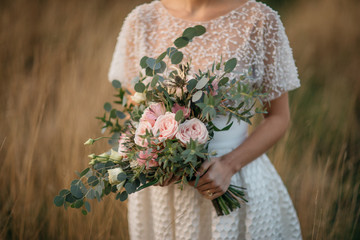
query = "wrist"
{"x": 232, "y": 162}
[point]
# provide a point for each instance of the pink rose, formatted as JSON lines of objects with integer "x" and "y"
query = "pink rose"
{"x": 153, "y": 112}
{"x": 193, "y": 129}
{"x": 185, "y": 110}
{"x": 148, "y": 158}
{"x": 166, "y": 126}
{"x": 140, "y": 131}
{"x": 122, "y": 148}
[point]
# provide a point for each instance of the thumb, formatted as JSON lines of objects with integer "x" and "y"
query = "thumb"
{"x": 205, "y": 166}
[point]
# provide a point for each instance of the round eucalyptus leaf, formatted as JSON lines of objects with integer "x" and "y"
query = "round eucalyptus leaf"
{"x": 79, "y": 203}
{"x": 142, "y": 178}
{"x": 230, "y": 65}
{"x": 139, "y": 87}
{"x": 203, "y": 81}
{"x": 181, "y": 42}
{"x": 120, "y": 114}
{"x": 59, "y": 201}
{"x": 121, "y": 177}
{"x": 116, "y": 83}
{"x": 76, "y": 191}
{"x": 189, "y": 33}
{"x": 151, "y": 63}
{"x": 200, "y": 30}
{"x": 123, "y": 196}
{"x": 107, "y": 107}
{"x": 170, "y": 51}
{"x": 70, "y": 198}
{"x": 191, "y": 84}
{"x": 93, "y": 181}
{"x": 130, "y": 187}
{"x": 143, "y": 62}
{"x": 84, "y": 212}
{"x": 162, "y": 67}
{"x": 149, "y": 72}
{"x": 90, "y": 194}
{"x": 177, "y": 58}
{"x": 196, "y": 97}
{"x": 223, "y": 81}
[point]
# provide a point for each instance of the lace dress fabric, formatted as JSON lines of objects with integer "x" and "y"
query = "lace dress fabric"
{"x": 254, "y": 34}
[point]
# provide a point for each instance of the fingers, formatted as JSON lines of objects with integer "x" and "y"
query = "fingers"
{"x": 205, "y": 166}
{"x": 211, "y": 194}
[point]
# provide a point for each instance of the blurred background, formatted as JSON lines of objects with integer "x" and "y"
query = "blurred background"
{"x": 54, "y": 60}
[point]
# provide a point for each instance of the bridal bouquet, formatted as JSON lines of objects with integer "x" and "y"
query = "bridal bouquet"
{"x": 162, "y": 128}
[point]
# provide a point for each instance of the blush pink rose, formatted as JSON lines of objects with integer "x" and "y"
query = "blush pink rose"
{"x": 185, "y": 110}
{"x": 192, "y": 129}
{"x": 166, "y": 126}
{"x": 140, "y": 131}
{"x": 122, "y": 148}
{"x": 153, "y": 112}
{"x": 148, "y": 158}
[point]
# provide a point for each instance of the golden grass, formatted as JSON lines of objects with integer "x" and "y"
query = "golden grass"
{"x": 55, "y": 57}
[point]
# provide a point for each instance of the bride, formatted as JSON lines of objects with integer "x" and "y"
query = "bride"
{"x": 253, "y": 33}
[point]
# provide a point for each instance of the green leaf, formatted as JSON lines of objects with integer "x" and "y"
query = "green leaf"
{"x": 170, "y": 51}
{"x": 93, "y": 181}
{"x": 149, "y": 72}
{"x": 120, "y": 114}
{"x": 87, "y": 206}
{"x": 84, "y": 212}
{"x": 123, "y": 196}
{"x": 130, "y": 187}
{"x": 70, "y": 198}
{"x": 64, "y": 192}
{"x": 181, "y": 42}
{"x": 179, "y": 115}
{"x": 162, "y": 67}
{"x": 191, "y": 85}
{"x": 113, "y": 113}
{"x": 121, "y": 177}
{"x": 151, "y": 62}
{"x": 197, "y": 180}
{"x": 76, "y": 191}
{"x": 223, "y": 81}
{"x": 90, "y": 194}
{"x": 200, "y": 30}
{"x": 161, "y": 57}
{"x": 139, "y": 87}
{"x": 154, "y": 81}
{"x": 203, "y": 81}
{"x": 107, "y": 107}
{"x": 79, "y": 203}
{"x": 59, "y": 201}
{"x": 196, "y": 97}
{"x": 116, "y": 84}
{"x": 177, "y": 58}
{"x": 189, "y": 33}
{"x": 143, "y": 62}
{"x": 230, "y": 65}
{"x": 85, "y": 171}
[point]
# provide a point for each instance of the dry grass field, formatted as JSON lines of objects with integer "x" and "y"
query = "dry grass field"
{"x": 53, "y": 82}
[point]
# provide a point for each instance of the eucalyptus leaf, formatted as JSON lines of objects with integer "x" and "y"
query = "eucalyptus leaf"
{"x": 107, "y": 107}
{"x": 84, "y": 212}
{"x": 79, "y": 203}
{"x": 121, "y": 177}
{"x": 76, "y": 191}
{"x": 203, "y": 81}
{"x": 130, "y": 187}
{"x": 177, "y": 58}
{"x": 179, "y": 115}
{"x": 189, "y": 33}
{"x": 230, "y": 65}
{"x": 139, "y": 87}
{"x": 181, "y": 42}
{"x": 142, "y": 178}
{"x": 59, "y": 201}
{"x": 93, "y": 181}
{"x": 116, "y": 84}
{"x": 143, "y": 62}
{"x": 223, "y": 81}
{"x": 90, "y": 194}
{"x": 151, "y": 63}
{"x": 154, "y": 81}
{"x": 191, "y": 85}
{"x": 200, "y": 30}
{"x": 196, "y": 97}
{"x": 84, "y": 172}
{"x": 123, "y": 196}
{"x": 64, "y": 192}
{"x": 170, "y": 51}
{"x": 149, "y": 72}
{"x": 161, "y": 57}
{"x": 120, "y": 114}
{"x": 87, "y": 206}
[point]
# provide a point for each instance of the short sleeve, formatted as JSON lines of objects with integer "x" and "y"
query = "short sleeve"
{"x": 124, "y": 62}
{"x": 280, "y": 72}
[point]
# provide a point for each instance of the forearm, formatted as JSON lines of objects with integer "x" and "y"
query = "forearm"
{"x": 269, "y": 131}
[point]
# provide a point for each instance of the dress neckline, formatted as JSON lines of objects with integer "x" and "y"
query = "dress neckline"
{"x": 162, "y": 7}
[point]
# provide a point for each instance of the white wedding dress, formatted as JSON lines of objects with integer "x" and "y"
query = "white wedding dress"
{"x": 254, "y": 34}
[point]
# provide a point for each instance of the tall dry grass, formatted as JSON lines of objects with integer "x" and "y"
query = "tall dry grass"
{"x": 54, "y": 59}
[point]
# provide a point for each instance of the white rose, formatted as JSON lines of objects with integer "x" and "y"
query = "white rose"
{"x": 113, "y": 173}
{"x": 138, "y": 97}
{"x": 192, "y": 129}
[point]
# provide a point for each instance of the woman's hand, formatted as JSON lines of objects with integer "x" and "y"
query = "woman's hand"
{"x": 215, "y": 178}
